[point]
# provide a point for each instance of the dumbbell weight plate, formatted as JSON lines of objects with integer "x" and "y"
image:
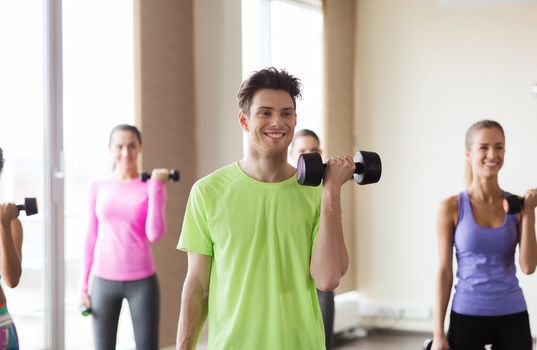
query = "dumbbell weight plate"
{"x": 85, "y": 311}
{"x": 309, "y": 169}
{"x": 175, "y": 175}
{"x": 30, "y": 205}
{"x": 371, "y": 168}
{"x": 513, "y": 204}
{"x": 144, "y": 176}
{"x": 427, "y": 344}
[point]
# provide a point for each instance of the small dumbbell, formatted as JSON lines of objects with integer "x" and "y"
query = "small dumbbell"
{"x": 29, "y": 206}
{"x": 427, "y": 344}
{"x": 310, "y": 168}
{"x": 174, "y": 175}
{"x": 85, "y": 311}
{"x": 513, "y": 204}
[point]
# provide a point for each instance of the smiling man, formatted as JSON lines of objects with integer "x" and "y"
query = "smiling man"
{"x": 258, "y": 243}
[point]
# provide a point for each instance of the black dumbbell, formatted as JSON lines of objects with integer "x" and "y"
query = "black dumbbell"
{"x": 427, "y": 344}
{"x": 174, "y": 175}
{"x": 310, "y": 168}
{"x": 29, "y": 206}
{"x": 513, "y": 204}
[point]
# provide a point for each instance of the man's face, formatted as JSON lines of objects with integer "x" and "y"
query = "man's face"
{"x": 271, "y": 123}
{"x": 303, "y": 144}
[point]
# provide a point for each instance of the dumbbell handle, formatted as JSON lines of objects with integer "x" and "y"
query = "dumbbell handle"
{"x": 174, "y": 175}
{"x": 359, "y": 168}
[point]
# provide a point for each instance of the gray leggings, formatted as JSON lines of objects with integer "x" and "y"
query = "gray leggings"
{"x": 326, "y": 301}
{"x": 144, "y": 303}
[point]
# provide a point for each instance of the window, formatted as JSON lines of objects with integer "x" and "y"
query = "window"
{"x": 288, "y": 34}
{"x": 296, "y": 41}
{"x": 98, "y": 94}
{"x": 21, "y": 138}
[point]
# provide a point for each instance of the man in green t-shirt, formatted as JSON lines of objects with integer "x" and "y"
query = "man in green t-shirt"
{"x": 258, "y": 243}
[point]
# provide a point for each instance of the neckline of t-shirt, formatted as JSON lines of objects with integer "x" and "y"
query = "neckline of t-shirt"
{"x": 287, "y": 182}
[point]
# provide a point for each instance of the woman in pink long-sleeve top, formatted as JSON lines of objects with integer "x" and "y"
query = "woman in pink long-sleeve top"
{"x": 125, "y": 214}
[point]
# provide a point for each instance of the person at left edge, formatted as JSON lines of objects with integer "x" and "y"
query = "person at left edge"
{"x": 11, "y": 234}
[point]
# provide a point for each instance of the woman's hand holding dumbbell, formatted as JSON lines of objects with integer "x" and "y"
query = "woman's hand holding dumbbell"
{"x": 10, "y": 211}
{"x": 85, "y": 305}
{"x": 530, "y": 200}
{"x": 160, "y": 174}
{"x": 514, "y": 204}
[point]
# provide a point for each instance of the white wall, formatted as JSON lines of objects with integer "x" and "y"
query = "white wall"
{"x": 426, "y": 72}
{"x": 218, "y": 75}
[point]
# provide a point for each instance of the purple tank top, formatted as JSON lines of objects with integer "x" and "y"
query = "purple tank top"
{"x": 486, "y": 275}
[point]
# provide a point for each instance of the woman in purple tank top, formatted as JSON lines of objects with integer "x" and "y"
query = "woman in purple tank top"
{"x": 488, "y": 306}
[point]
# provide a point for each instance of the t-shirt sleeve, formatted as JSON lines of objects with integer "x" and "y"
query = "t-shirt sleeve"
{"x": 91, "y": 238}
{"x": 155, "y": 226}
{"x": 195, "y": 236}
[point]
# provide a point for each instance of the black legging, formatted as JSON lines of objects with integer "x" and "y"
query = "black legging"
{"x": 506, "y": 332}
{"x": 144, "y": 304}
{"x": 326, "y": 301}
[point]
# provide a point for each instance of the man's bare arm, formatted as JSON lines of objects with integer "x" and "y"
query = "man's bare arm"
{"x": 194, "y": 301}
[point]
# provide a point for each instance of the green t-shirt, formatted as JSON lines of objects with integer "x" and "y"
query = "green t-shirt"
{"x": 260, "y": 236}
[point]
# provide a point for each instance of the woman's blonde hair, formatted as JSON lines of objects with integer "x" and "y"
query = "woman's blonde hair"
{"x": 482, "y": 124}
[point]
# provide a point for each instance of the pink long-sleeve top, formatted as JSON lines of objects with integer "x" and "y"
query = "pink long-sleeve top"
{"x": 124, "y": 216}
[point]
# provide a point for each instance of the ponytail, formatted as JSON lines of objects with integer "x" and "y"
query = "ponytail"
{"x": 468, "y": 175}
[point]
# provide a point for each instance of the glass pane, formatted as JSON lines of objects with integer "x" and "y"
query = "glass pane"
{"x": 303, "y": 58}
{"x": 21, "y": 138}
{"x": 98, "y": 94}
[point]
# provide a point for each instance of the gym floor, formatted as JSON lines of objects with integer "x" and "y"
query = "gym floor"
{"x": 383, "y": 340}
{"x": 376, "y": 340}
{"x": 391, "y": 340}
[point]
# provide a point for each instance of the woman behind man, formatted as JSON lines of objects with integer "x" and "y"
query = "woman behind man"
{"x": 488, "y": 306}
{"x": 307, "y": 141}
{"x": 10, "y": 266}
{"x": 125, "y": 214}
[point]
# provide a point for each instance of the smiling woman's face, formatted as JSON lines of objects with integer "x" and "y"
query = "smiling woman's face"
{"x": 486, "y": 152}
